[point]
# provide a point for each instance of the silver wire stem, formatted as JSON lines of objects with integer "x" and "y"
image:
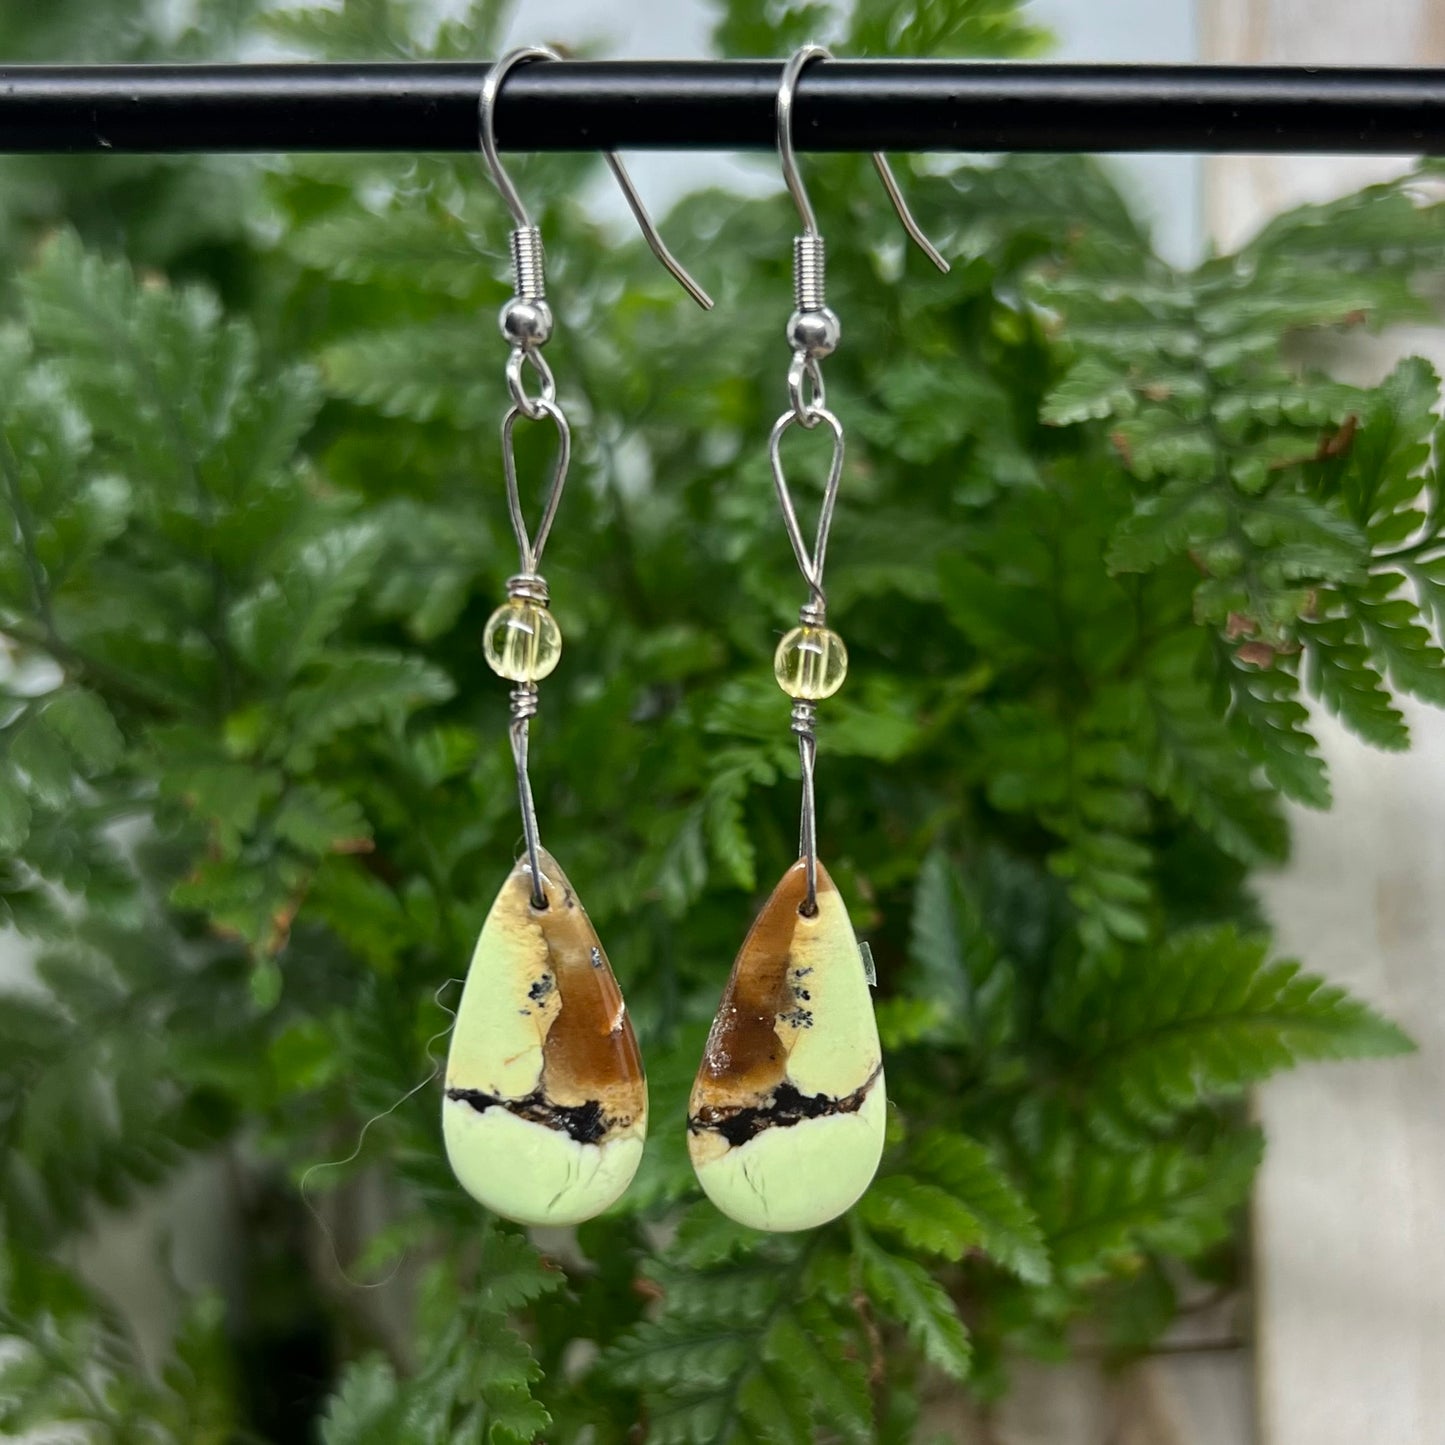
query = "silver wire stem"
{"x": 803, "y": 716}
{"x": 652, "y": 236}
{"x": 524, "y": 707}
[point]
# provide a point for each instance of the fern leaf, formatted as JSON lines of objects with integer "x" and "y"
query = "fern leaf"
{"x": 807, "y": 1343}
{"x": 85, "y": 724}
{"x": 1379, "y": 476}
{"x": 512, "y": 1273}
{"x": 707, "y": 1237}
{"x": 348, "y": 687}
{"x": 775, "y": 1407}
{"x": 736, "y": 772}
{"x": 14, "y": 812}
{"x": 42, "y": 758}
{"x": 676, "y": 1350}
{"x": 317, "y": 820}
{"x": 1206, "y": 1018}
{"x": 413, "y": 244}
{"x": 1340, "y": 670}
{"x": 924, "y": 1216}
{"x": 1267, "y": 721}
{"x": 964, "y": 988}
{"x": 1390, "y": 622}
{"x": 723, "y": 1325}
{"x": 366, "y": 1409}
{"x": 420, "y": 372}
{"x": 970, "y": 1174}
{"x": 280, "y": 627}
{"x": 1100, "y": 1208}
{"x": 514, "y": 1417}
{"x": 1196, "y": 763}
{"x": 909, "y": 1294}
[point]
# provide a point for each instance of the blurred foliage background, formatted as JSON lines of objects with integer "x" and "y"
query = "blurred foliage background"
{"x": 1099, "y": 539}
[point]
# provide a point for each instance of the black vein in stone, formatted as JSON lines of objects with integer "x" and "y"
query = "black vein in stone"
{"x": 786, "y": 1105}
{"x": 586, "y": 1123}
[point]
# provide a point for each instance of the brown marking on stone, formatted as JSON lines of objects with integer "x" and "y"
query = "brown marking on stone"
{"x": 745, "y": 1058}
{"x": 589, "y": 1054}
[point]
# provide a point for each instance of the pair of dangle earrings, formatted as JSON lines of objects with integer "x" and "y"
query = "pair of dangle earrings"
{"x": 545, "y": 1107}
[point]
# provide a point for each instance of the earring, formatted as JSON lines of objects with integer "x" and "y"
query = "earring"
{"x": 787, "y": 1114}
{"x": 545, "y": 1109}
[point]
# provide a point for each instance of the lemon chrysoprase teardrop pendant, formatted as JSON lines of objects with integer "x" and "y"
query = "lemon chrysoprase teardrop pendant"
{"x": 785, "y": 1126}
{"x": 546, "y": 1103}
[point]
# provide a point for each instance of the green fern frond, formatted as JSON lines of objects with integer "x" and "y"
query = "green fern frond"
{"x": 1204, "y": 1018}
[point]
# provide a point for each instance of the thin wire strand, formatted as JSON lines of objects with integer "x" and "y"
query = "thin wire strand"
{"x": 534, "y": 408}
{"x": 302, "y": 1186}
{"x": 915, "y": 231}
{"x": 808, "y": 823}
{"x": 518, "y": 733}
{"x": 652, "y": 236}
{"x": 487, "y": 108}
{"x": 787, "y": 90}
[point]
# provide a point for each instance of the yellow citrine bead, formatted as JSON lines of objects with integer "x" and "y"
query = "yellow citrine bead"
{"x": 522, "y": 642}
{"x": 810, "y": 663}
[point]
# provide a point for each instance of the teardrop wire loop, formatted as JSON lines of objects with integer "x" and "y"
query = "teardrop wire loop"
{"x": 810, "y": 562}
{"x": 530, "y": 547}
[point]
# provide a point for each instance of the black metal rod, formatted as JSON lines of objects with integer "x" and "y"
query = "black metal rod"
{"x": 906, "y": 105}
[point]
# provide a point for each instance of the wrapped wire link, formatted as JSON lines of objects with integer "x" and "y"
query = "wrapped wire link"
{"x": 524, "y": 708}
{"x": 531, "y": 586}
{"x": 806, "y": 391}
{"x": 534, "y": 408}
{"x": 803, "y": 716}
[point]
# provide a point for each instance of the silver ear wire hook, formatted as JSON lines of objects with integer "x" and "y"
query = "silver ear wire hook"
{"x": 786, "y": 91}
{"x": 487, "y": 105}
